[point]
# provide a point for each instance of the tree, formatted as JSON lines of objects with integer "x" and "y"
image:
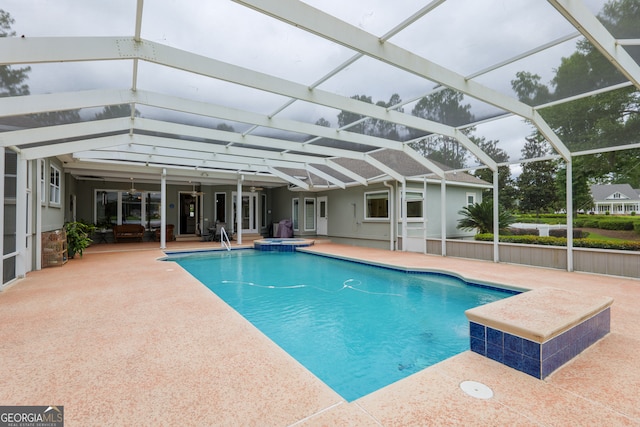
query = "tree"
{"x": 444, "y": 106}
{"x": 536, "y": 183}
{"x": 529, "y": 89}
{"x": 323, "y": 122}
{"x": 479, "y": 216}
{"x": 581, "y": 194}
{"x": 506, "y": 190}
{"x": 605, "y": 120}
{"x": 12, "y": 80}
{"x": 383, "y": 128}
{"x": 347, "y": 117}
{"x": 13, "y": 83}
{"x": 115, "y": 111}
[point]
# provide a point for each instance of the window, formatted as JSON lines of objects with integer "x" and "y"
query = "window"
{"x": 54, "y": 185}
{"x": 377, "y": 205}
{"x": 414, "y": 205}
{"x": 153, "y": 213}
{"x": 132, "y": 208}
{"x": 121, "y": 207}
{"x": 221, "y": 207}
{"x": 294, "y": 213}
{"x": 106, "y": 208}
{"x": 309, "y": 214}
{"x": 471, "y": 199}
{"x": 43, "y": 186}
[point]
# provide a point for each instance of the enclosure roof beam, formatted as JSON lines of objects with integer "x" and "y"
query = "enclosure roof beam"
{"x": 588, "y": 24}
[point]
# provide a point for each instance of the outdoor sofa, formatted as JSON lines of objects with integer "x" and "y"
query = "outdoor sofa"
{"x": 128, "y": 231}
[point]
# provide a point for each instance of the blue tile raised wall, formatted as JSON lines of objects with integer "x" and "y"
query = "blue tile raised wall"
{"x": 532, "y": 358}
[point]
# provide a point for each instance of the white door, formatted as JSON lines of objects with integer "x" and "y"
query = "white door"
{"x": 322, "y": 216}
{"x": 249, "y": 212}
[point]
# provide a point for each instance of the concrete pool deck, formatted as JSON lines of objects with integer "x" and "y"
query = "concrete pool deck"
{"x": 120, "y": 338}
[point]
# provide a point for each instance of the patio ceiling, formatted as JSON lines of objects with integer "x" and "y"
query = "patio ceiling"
{"x": 231, "y": 89}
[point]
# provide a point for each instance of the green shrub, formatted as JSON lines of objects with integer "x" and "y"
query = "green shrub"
{"x": 607, "y": 244}
{"x": 590, "y": 224}
{"x": 512, "y": 231}
{"x": 562, "y": 232}
{"x": 615, "y": 224}
{"x": 636, "y": 227}
{"x": 561, "y": 241}
{"x": 578, "y": 223}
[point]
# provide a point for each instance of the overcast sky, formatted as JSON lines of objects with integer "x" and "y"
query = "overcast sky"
{"x": 463, "y": 35}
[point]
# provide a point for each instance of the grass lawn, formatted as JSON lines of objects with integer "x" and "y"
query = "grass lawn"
{"x": 596, "y": 236}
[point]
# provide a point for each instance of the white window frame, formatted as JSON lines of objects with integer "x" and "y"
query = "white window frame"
{"x": 43, "y": 182}
{"x": 413, "y": 195}
{"x": 473, "y": 196}
{"x": 309, "y": 201}
{"x": 55, "y": 189}
{"x": 366, "y": 205}
{"x": 295, "y": 211}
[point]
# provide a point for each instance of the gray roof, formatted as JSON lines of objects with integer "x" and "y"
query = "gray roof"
{"x": 601, "y": 193}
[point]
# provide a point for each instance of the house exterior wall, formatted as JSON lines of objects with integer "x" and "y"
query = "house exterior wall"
{"x": 346, "y": 213}
{"x": 53, "y": 215}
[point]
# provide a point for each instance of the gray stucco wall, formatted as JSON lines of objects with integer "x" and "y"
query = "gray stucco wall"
{"x": 53, "y": 216}
{"x": 346, "y": 212}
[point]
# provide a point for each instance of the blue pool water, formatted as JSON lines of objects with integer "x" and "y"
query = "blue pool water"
{"x": 356, "y": 327}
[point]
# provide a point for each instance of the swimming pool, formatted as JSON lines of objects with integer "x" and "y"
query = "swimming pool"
{"x": 356, "y": 327}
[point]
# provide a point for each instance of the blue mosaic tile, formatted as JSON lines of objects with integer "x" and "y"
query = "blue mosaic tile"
{"x": 476, "y": 330}
{"x": 535, "y": 359}
{"x": 531, "y": 366}
{"x": 551, "y": 347}
{"x": 478, "y": 345}
{"x": 513, "y": 343}
{"x": 513, "y": 360}
{"x": 495, "y": 337}
{"x": 531, "y": 349}
{"x": 495, "y": 352}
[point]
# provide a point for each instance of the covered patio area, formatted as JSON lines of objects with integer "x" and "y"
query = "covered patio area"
{"x": 121, "y": 338}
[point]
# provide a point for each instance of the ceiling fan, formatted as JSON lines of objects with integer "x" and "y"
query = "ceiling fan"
{"x": 195, "y": 193}
{"x": 132, "y": 190}
{"x": 253, "y": 189}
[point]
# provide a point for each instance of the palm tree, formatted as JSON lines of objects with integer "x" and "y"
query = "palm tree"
{"x": 479, "y": 216}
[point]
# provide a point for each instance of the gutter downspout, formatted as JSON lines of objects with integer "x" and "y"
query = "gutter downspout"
{"x": 443, "y": 217}
{"x": 391, "y": 216}
{"x": 569, "y": 202}
{"x": 403, "y": 216}
{"x": 239, "y": 210}
{"x": 424, "y": 215}
{"x": 496, "y": 218}
{"x": 163, "y": 209}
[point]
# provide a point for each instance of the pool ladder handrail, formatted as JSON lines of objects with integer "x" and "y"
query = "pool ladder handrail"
{"x": 223, "y": 236}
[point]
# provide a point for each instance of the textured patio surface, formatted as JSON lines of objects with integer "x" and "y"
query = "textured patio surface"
{"x": 120, "y": 338}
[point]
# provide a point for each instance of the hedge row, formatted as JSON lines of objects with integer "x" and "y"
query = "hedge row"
{"x": 554, "y": 232}
{"x": 561, "y": 241}
{"x": 608, "y": 224}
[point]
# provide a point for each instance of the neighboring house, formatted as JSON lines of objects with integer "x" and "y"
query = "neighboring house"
{"x": 617, "y": 199}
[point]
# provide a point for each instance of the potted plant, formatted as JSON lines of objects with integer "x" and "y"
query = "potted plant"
{"x": 78, "y": 237}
